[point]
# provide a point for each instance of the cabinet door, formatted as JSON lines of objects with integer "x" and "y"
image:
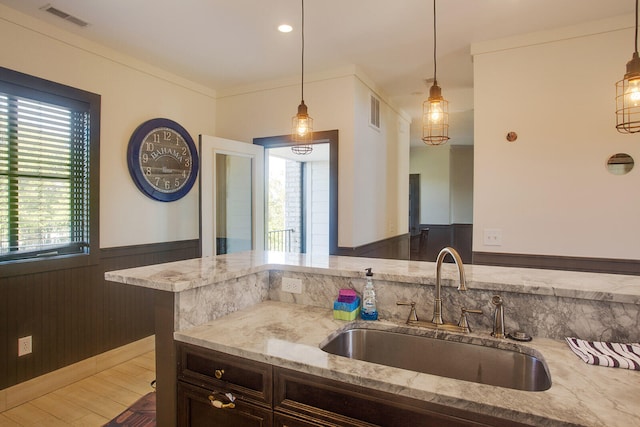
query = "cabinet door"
{"x": 195, "y": 409}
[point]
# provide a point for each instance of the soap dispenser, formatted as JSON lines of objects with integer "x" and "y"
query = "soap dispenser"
{"x": 369, "y": 308}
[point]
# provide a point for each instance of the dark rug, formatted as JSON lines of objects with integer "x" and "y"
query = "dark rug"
{"x": 140, "y": 414}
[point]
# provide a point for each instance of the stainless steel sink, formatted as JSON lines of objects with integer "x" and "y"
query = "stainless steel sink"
{"x": 463, "y": 361}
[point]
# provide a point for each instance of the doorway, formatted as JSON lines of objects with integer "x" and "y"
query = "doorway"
{"x": 330, "y": 140}
{"x": 414, "y": 204}
{"x": 297, "y": 200}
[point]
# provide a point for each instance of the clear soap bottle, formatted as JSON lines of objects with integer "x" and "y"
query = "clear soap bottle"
{"x": 369, "y": 309}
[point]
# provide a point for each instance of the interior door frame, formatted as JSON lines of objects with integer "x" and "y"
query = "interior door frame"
{"x": 209, "y": 146}
{"x": 414, "y": 204}
{"x": 319, "y": 137}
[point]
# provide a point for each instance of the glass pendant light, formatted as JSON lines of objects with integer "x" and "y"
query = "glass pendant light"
{"x": 302, "y": 123}
{"x": 628, "y": 93}
{"x": 435, "y": 110}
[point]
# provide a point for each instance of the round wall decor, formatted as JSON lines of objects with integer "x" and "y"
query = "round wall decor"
{"x": 162, "y": 159}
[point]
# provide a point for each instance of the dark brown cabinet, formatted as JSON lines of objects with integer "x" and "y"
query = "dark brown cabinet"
{"x": 195, "y": 409}
{"x": 281, "y": 420}
{"x": 243, "y": 388}
{"x": 266, "y": 395}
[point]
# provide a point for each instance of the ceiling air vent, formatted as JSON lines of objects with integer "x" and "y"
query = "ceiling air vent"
{"x": 64, "y": 15}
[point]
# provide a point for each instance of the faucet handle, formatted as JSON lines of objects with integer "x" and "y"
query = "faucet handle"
{"x": 498, "y": 317}
{"x": 413, "y": 316}
{"x": 463, "y": 322}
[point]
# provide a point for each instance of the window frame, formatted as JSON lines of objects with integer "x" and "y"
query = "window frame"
{"x": 49, "y": 91}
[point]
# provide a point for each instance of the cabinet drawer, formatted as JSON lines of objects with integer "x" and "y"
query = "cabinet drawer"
{"x": 328, "y": 402}
{"x": 246, "y": 379}
{"x": 195, "y": 410}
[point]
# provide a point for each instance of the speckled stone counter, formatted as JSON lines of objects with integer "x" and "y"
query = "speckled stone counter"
{"x": 545, "y": 303}
{"x": 290, "y": 336}
{"x": 207, "y": 301}
{"x": 190, "y": 274}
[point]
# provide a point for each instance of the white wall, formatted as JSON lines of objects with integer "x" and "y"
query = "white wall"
{"x": 371, "y": 163}
{"x": 446, "y": 183}
{"x": 373, "y": 166}
{"x": 549, "y": 192}
{"x": 266, "y": 110}
{"x": 433, "y": 166}
{"x": 132, "y": 92}
{"x": 461, "y": 179}
{"x": 381, "y": 176}
{"x": 317, "y": 208}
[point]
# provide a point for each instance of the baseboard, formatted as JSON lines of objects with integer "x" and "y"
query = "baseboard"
{"x": 396, "y": 247}
{"x": 24, "y": 392}
{"x": 548, "y": 262}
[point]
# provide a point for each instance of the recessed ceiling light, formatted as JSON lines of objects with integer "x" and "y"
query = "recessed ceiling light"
{"x": 285, "y": 28}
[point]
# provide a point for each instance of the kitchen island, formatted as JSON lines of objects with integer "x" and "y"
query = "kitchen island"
{"x": 289, "y": 336}
{"x": 234, "y": 304}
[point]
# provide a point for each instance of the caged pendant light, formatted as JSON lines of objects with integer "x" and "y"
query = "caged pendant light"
{"x": 628, "y": 93}
{"x": 302, "y": 123}
{"x": 435, "y": 110}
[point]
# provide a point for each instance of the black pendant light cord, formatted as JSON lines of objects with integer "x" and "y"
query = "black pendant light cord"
{"x": 435, "y": 66}
{"x": 302, "y": 73}
{"x": 636, "y": 39}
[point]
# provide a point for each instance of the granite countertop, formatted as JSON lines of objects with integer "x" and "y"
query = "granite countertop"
{"x": 194, "y": 273}
{"x": 290, "y": 336}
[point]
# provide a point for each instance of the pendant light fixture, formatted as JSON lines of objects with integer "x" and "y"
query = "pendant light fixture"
{"x": 302, "y": 123}
{"x": 628, "y": 93}
{"x": 435, "y": 110}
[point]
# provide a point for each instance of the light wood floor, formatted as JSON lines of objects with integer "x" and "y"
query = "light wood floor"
{"x": 91, "y": 402}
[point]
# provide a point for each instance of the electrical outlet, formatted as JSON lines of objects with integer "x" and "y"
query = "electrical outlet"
{"x": 25, "y": 346}
{"x": 492, "y": 237}
{"x": 293, "y": 286}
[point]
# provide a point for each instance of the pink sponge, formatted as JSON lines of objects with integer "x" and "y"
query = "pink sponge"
{"x": 347, "y": 295}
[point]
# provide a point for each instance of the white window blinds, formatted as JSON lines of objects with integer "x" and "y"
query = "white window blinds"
{"x": 44, "y": 170}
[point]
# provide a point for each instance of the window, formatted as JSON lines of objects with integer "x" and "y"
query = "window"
{"x": 48, "y": 133}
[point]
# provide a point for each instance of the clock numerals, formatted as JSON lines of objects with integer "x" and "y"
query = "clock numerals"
{"x": 166, "y": 160}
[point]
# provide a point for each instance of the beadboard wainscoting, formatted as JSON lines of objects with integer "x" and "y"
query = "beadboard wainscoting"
{"x": 74, "y": 314}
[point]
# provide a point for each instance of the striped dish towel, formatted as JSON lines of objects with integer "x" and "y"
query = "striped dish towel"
{"x": 615, "y": 355}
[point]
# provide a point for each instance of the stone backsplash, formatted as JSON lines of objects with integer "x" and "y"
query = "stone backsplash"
{"x": 538, "y": 315}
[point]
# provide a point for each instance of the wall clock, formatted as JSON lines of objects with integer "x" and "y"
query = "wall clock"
{"x": 162, "y": 160}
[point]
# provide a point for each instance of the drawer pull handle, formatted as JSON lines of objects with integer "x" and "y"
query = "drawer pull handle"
{"x": 218, "y": 373}
{"x": 218, "y": 404}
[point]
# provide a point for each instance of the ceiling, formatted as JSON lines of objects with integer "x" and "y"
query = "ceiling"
{"x": 224, "y": 44}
